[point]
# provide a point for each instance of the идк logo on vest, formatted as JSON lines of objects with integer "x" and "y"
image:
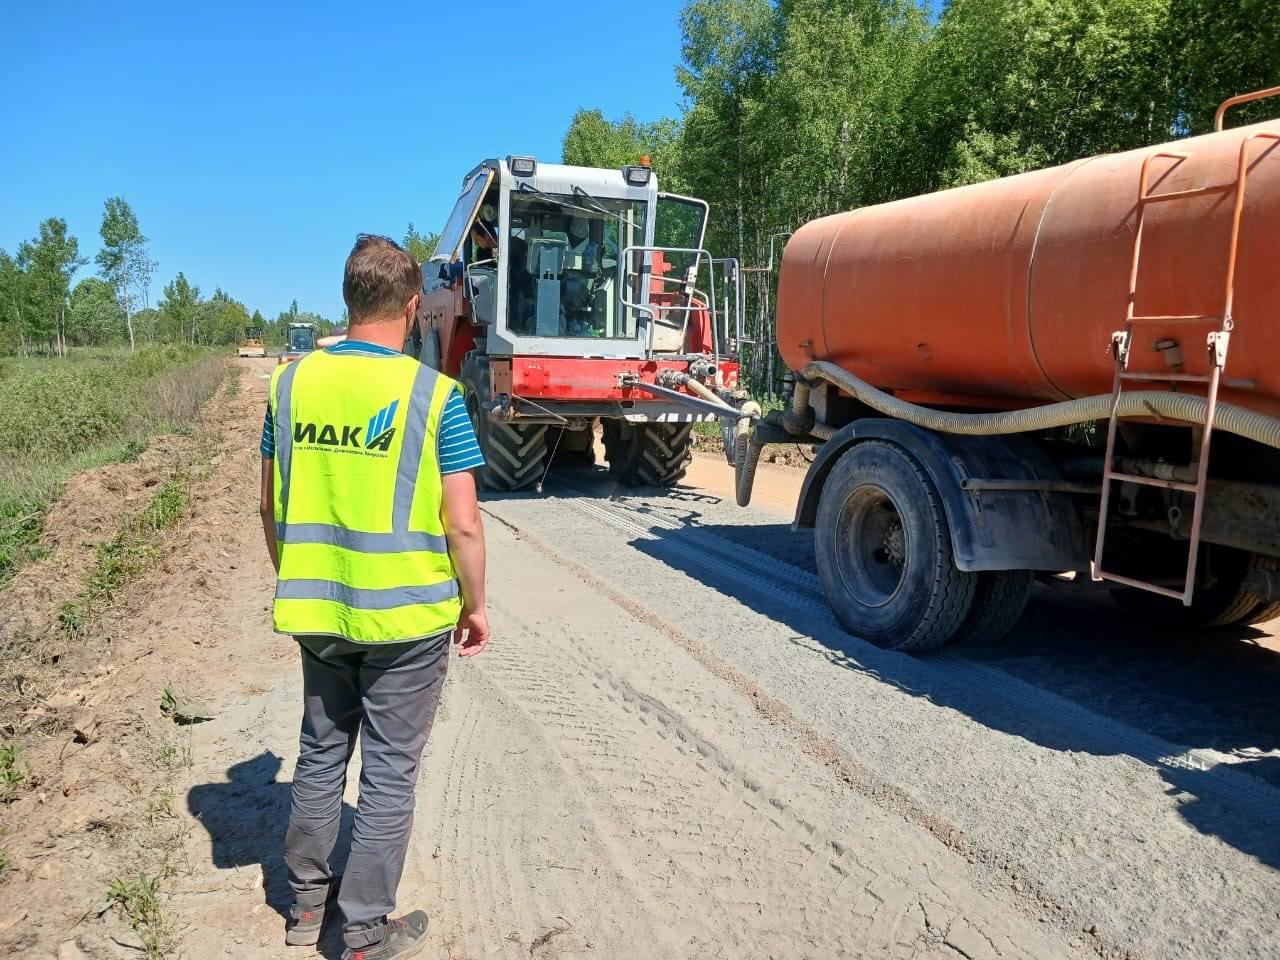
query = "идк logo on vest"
{"x": 376, "y": 439}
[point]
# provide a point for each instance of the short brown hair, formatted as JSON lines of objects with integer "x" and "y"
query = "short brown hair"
{"x": 379, "y": 279}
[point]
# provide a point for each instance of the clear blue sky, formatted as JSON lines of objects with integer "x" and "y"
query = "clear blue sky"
{"x": 255, "y": 140}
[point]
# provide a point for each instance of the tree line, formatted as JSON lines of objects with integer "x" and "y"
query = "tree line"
{"x": 43, "y": 312}
{"x": 799, "y": 108}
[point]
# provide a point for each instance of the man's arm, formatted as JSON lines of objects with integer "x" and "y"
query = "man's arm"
{"x": 464, "y": 531}
{"x": 267, "y": 506}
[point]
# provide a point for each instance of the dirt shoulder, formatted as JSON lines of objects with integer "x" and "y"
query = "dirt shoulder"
{"x": 116, "y": 614}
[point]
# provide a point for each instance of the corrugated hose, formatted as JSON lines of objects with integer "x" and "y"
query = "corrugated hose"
{"x": 1182, "y": 407}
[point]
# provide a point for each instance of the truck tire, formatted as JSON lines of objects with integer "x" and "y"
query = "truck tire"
{"x": 883, "y": 551}
{"x": 515, "y": 455}
{"x": 648, "y": 454}
{"x": 999, "y": 599}
{"x": 1224, "y": 604}
{"x": 1264, "y": 612}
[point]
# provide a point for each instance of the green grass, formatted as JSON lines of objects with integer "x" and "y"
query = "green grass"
{"x": 138, "y": 901}
{"x": 160, "y": 806}
{"x": 11, "y": 778}
{"x": 711, "y": 428}
{"x": 58, "y": 417}
{"x": 127, "y": 554}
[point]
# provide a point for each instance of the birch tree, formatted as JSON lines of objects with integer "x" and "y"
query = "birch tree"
{"x": 123, "y": 261}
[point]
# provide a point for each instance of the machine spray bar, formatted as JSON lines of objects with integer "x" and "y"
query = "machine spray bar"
{"x": 716, "y": 406}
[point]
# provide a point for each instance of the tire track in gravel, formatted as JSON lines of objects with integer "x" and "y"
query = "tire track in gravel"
{"x": 1029, "y": 893}
{"x": 803, "y": 593}
{"x": 736, "y": 870}
{"x": 517, "y": 851}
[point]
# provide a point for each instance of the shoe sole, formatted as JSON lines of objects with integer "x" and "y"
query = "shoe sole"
{"x": 294, "y": 938}
{"x": 309, "y": 937}
{"x": 413, "y": 951}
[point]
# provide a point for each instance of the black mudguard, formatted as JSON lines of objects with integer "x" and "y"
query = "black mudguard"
{"x": 990, "y": 530}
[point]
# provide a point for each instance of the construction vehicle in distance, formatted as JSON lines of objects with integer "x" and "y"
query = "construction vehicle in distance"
{"x": 1030, "y": 376}
{"x": 252, "y": 345}
{"x": 562, "y": 297}
{"x": 300, "y": 339}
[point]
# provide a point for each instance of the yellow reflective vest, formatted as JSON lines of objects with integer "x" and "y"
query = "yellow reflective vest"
{"x": 358, "y": 499}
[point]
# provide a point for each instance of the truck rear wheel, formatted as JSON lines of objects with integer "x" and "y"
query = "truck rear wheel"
{"x": 999, "y": 600}
{"x": 1264, "y": 612}
{"x": 515, "y": 455}
{"x": 1224, "y": 603}
{"x": 884, "y": 552}
{"x": 648, "y": 454}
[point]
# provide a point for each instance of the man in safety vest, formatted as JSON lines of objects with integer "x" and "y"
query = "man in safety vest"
{"x": 369, "y": 510}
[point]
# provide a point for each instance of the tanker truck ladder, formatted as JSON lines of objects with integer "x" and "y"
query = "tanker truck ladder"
{"x": 1217, "y": 342}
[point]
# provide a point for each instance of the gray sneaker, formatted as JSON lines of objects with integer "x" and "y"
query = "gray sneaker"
{"x": 306, "y": 916}
{"x": 403, "y": 937}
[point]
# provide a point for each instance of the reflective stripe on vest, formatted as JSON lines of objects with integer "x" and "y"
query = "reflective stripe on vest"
{"x": 363, "y": 598}
{"x": 405, "y": 586}
{"x": 358, "y": 541}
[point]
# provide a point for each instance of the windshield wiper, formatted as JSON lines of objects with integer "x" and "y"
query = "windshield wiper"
{"x": 596, "y": 204}
{"x": 560, "y": 202}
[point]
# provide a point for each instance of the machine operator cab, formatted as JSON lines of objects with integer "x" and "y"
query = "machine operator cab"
{"x": 557, "y": 260}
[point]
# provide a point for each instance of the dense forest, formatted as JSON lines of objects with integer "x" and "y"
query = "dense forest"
{"x": 799, "y": 108}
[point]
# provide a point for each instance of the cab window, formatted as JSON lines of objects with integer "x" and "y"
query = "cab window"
{"x": 562, "y": 271}
{"x": 464, "y": 211}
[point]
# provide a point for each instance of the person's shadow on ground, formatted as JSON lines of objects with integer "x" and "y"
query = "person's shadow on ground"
{"x": 247, "y": 817}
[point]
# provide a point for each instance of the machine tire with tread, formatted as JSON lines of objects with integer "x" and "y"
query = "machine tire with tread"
{"x": 515, "y": 455}
{"x": 648, "y": 454}
{"x": 1223, "y": 604}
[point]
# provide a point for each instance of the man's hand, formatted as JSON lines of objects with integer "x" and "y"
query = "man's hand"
{"x": 268, "y": 510}
{"x": 465, "y": 534}
{"x": 472, "y": 632}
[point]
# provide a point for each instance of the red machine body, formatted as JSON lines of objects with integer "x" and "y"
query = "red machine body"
{"x": 570, "y": 378}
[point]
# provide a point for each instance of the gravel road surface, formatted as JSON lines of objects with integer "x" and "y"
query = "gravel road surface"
{"x": 672, "y": 750}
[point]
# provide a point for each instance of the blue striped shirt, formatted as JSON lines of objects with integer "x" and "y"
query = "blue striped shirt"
{"x": 456, "y": 445}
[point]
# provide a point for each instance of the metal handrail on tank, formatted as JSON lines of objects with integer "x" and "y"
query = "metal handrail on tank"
{"x": 1242, "y": 172}
{"x": 1219, "y": 116}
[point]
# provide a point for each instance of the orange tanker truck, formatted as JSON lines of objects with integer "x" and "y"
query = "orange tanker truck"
{"x": 1076, "y": 369}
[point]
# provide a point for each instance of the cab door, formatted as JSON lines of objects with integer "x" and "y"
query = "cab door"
{"x": 438, "y": 311}
{"x": 680, "y": 228}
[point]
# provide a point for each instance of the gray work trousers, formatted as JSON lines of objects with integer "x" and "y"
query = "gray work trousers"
{"x": 387, "y": 695}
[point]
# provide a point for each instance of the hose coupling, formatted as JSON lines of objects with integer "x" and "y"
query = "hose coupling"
{"x": 702, "y": 368}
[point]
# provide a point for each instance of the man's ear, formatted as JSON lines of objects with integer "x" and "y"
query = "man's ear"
{"x": 411, "y": 313}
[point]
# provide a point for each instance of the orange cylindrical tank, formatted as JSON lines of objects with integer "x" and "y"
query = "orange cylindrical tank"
{"x": 1006, "y": 293}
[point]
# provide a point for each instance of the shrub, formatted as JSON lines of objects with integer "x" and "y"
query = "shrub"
{"x": 59, "y": 416}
